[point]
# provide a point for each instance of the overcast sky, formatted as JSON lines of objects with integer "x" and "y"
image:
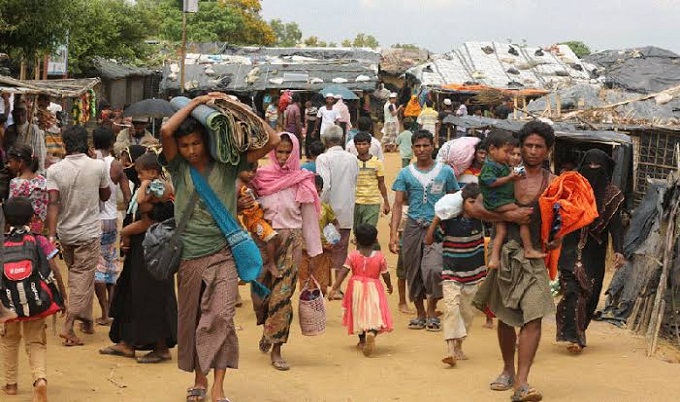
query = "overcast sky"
{"x": 440, "y": 25}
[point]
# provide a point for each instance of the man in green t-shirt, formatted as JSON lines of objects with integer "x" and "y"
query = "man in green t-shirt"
{"x": 207, "y": 280}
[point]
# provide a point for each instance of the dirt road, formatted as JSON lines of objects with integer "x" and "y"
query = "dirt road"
{"x": 406, "y": 366}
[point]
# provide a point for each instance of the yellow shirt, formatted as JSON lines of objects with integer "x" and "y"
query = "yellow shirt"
{"x": 367, "y": 183}
{"x": 325, "y": 217}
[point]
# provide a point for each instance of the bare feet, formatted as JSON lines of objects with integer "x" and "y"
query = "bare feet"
{"x": 459, "y": 355}
{"x": 488, "y": 323}
{"x": 87, "y": 327}
{"x": 450, "y": 360}
{"x": 574, "y": 348}
{"x": 532, "y": 254}
{"x": 70, "y": 339}
{"x": 40, "y": 390}
{"x": 10, "y": 389}
{"x": 403, "y": 308}
{"x": 277, "y": 360}
{"x": 361, "y": 345}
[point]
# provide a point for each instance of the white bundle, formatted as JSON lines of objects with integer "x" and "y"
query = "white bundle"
{"x": 449, "y": 206}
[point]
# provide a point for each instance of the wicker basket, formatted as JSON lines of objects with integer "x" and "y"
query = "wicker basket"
{"x": 312, "y": 309}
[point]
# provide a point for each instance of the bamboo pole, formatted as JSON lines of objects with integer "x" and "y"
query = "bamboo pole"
{"x": 655, "y": 340}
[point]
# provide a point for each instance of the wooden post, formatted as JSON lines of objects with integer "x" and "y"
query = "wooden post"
{"x": 46, "y": 61}
{"x": 23, "y": 70}
{"x": 36, "y": 70}
{"x": 183, "y": 52}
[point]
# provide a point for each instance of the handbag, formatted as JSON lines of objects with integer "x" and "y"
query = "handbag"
{"x": 162, "y": 244}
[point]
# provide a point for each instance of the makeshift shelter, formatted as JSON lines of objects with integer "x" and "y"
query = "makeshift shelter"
{"x": 396, "y": 61}
{"x": 123, "y": 84}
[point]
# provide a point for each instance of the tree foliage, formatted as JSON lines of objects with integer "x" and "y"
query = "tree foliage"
{"x": 364, "y": 40}
{"x": 579, "y": 48}
{"x": 409, "y": 46}
{"x": 287, "y": 34}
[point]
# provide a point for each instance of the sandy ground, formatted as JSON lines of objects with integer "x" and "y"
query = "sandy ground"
{"x": 405, "y": 367}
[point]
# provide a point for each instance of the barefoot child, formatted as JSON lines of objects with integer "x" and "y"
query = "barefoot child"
{"x": 153, "y": 189}
{"x": 19, "y": 214}
{"x": 320, "y": 265}
{"x": 463, "y": 270}
{"x": 496, "y": 182}
{"x": 365, "y": 303}
{"x": 253, "y": 219}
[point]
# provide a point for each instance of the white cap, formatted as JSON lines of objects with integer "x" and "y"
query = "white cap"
{"x": 330, "y": 95}
{"x": 338, "y": 96}
{"x": 393, "y": 95}
{"x": 447, "y": 102}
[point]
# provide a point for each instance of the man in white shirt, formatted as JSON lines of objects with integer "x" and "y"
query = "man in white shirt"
{"x": 327, "y": 115}
{"x": 365, "y": 125}
{"x": 339, "y": 170}
{"x": 343, "y": 113}
{"x": 75, "y": 186}
{"x": 391, "y": 126}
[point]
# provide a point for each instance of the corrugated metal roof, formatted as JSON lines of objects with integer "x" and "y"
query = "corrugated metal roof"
{"x": 111, "y": 70}
{"x": 505, "y": 66}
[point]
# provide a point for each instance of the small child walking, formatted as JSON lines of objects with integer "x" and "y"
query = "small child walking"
{"x": 405, "y": 149}
{"x": 463, "y": 270}
{"x": 19, "y": 214}
{"x": 366, "y": 312}
{"x": 496, "y": 182}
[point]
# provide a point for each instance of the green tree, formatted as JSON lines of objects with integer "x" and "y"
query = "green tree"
{"x": 579, "y": 48}
{"x": 346, "y": 43}
{"x": 287, "y": 34}
{"x": 314, "y": 41}
{"x": 363, "y": 40}
{"x": 33, "y": 28}
{"x": 409, "y": 46}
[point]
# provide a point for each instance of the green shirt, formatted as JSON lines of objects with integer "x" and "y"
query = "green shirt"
{"x": 202, "y": 236}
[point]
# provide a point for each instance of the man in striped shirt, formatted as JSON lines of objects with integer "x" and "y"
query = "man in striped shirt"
{"x": 463, "y": 270}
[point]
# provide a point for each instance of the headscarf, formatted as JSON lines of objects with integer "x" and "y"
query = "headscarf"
{"x": 598, "y": 178}
{"x": 273, "y": 178}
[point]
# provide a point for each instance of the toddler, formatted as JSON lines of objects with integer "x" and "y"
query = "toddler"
{"x": 366, "y": 312}
{"x": 254, "y": 222}
{"x": 496, "y": 182}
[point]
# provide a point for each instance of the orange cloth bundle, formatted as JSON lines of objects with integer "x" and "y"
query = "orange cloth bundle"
{"x": 577, "y": 210}
{"x": 413, "y": 108}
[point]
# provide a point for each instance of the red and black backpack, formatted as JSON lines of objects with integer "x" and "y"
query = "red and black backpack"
{"x": 27, "y": 284}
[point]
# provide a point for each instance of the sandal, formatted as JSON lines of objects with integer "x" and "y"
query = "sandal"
{"x": 281, "y": 365}
{"x": 112, "y": 351}
{"x": 503, "y": 382}
{"x": 70, "y": 340}
{"x": 196, "y": 394}
{"x": 526, "y": 393}
{"x": 153, "y": 357}
{"x": 417, "y": 323}
{"x": 433, "y": 324}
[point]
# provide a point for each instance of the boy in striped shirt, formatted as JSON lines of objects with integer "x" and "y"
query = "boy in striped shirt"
{"x": 463, "y": 270}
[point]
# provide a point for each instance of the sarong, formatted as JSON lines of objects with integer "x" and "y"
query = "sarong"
{"x": 108, "y": 266}
{"x": 519, "y": 291}
{"x": 276, "y": 311}
{"x": 81, "y": 261}
{"x": 423, "y": 264}
{"x": 206, "y": 336}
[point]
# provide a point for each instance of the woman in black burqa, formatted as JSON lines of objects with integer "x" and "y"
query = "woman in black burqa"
{"x": 581, "y": 283}
{"x": 144, "y": 310}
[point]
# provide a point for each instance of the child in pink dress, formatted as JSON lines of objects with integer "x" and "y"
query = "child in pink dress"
{"x": 365, "y": 303}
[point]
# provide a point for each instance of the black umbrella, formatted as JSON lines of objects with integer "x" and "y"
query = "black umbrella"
{"x": 154, "y": 108}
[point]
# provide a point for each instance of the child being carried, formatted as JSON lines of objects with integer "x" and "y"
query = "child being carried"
{"x": 496, "y": 182}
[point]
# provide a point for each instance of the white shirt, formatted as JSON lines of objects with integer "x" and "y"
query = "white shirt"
{"x": 389, "y": 118}
{"x": 339, "y": 170}
{"x": 375, "y": 149}
{"x": 328, "y": 117}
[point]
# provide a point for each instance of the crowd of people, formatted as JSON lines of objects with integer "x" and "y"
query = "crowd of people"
{"x": 302, "y": 217}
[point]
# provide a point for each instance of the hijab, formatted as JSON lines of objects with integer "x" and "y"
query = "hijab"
{"x": 598, "y": 178}
{"x": 273, "y": 178}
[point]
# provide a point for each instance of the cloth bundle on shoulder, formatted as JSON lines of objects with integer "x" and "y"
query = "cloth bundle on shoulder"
{"x": 232, "y": 128}
{"x": 459, "y": 153}
{"x": 577, "y": 209}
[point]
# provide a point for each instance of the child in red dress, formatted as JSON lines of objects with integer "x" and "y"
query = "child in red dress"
{"x": 365, "y": 303}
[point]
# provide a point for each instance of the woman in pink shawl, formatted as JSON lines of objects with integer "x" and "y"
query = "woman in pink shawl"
{"x": 290, "y": 202}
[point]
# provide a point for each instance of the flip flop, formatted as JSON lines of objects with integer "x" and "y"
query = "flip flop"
{"x": 526, "y": 393}
{"x": 450, "y": 360}
{"x": 416, "y": 323}
{"x": 104, "y": 322}
{"x": 433, "y": 324}
{"x": 196, "y": 394}
{"x": 281, "y": 365}
{"x": 69, "y": 341}
{"x": 152, "y": 357}
{"x": 503, "y": 382}
{"x": 264, "y": 345}
{"x": 111, "y": 351}
{"x": 574, "y": 348}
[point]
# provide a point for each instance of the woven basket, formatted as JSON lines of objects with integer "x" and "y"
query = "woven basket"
{"x": 312, "y": 309}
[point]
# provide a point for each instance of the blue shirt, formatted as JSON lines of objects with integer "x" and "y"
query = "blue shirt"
{"x": 309, "y": 165}
{"x": 421, "y": 201}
